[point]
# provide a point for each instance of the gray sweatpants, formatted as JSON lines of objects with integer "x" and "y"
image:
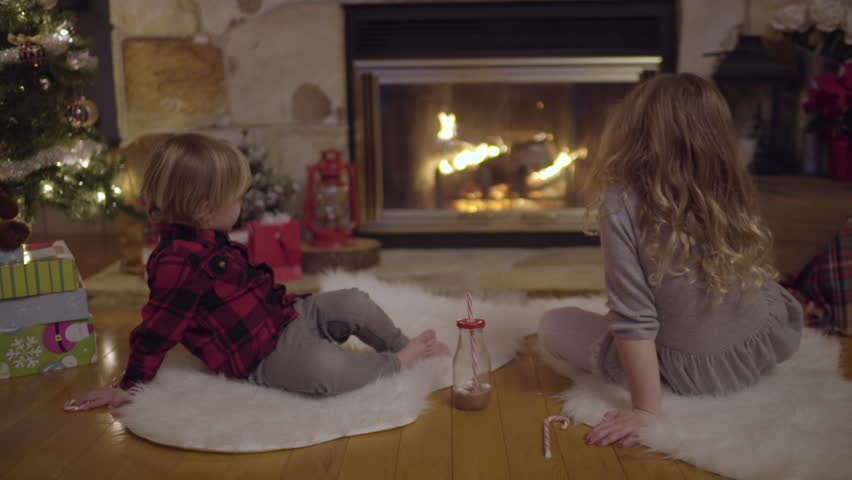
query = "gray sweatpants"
{"x": 309, "y": 358}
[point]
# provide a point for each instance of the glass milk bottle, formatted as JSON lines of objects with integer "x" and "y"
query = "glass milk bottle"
{"x": 471, "y": 367}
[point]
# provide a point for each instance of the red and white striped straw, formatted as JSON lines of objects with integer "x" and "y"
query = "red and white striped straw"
{"x": 565, "y": 422}
{"x": 476, "y": 385}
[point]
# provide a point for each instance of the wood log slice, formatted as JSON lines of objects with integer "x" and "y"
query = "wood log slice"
{"x": 364, "y": 253}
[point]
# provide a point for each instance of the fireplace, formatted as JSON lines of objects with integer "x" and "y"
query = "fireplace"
{"x": 482, "y": 118}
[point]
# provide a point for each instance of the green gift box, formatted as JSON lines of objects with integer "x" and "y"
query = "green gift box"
{"x": 47, "y": 347}
{"x": 47, "y": 268}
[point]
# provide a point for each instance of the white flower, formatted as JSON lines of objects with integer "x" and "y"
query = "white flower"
{"x": 791, "y": 18}
{"x": 827, "y": 14}
{"x": 847, "y": 27}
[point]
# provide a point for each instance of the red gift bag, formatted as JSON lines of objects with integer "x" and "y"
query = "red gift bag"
{"x": 279, "y": 246}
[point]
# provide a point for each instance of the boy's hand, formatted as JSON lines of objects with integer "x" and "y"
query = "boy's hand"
{"x": 108, "y": 396}
{"x": 620, "y": 426}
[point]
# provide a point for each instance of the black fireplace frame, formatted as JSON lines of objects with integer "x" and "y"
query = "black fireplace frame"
{"x": 596, "y": 28}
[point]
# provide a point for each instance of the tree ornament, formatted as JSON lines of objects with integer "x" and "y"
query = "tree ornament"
{"x": 82, "y": 113}
{"x": 44, "y": 82}
{"x": 32, "y": 53}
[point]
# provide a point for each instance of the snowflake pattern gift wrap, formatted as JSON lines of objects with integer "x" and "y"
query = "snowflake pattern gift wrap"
{"x": 47, "y": 347}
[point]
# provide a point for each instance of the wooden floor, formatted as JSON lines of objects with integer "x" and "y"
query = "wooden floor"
{"x": 40, "y": 441}
{"x": 504, "y": 441}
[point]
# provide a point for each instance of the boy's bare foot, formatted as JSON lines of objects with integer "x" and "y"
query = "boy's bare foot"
{"x": 422, "y": 346}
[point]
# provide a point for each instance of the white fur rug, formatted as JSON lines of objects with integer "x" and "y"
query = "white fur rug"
{"x": 794, "y": 424}
{"x": 187, "y": 407}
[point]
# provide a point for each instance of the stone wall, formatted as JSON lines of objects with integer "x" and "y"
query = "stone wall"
{"x": 277, "y": 67}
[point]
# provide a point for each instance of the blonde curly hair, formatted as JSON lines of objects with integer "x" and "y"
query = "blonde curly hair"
{"x": 672, "y": 142}
{"x": 190, "y": 176}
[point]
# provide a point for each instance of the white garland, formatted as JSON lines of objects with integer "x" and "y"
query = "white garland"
{"x": 55, "y": 44}
{"x": 77, "y": 60}
{"x": 79, "y": 154}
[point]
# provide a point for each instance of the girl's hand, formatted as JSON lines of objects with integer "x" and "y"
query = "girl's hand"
{"x": 620, "y": 426}
{"x": 108, "y": 396}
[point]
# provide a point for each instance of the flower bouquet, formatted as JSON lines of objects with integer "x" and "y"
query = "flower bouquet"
{"x": 830, "y": 107}
{"x": 823, "y": 28}
{"x": 820, "y": 26}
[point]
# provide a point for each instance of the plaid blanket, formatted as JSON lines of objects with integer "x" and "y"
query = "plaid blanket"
{"x": 824, "y": 286}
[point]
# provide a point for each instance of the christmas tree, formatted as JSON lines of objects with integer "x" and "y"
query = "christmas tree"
{"x": 50, "y": 151}
{"x": 269, "y": 193}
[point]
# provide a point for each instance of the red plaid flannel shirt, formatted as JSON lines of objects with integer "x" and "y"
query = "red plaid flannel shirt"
{"x": 207, "y": 296}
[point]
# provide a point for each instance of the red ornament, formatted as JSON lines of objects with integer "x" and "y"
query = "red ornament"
{"x": 32, "y": 53}
{"x": 331, "y": 201}
{"x": 82, "y": 113}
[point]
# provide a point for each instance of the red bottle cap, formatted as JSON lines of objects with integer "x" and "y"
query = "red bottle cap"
{"x": 466, "y": 323}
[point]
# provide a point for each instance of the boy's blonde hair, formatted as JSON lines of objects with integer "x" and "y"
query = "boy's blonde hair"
{"x": 190, "y": 176}
{"x": 672, "y": 142}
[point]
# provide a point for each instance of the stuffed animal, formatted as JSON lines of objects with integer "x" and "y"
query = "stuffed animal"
{"x": 13, "y": 233}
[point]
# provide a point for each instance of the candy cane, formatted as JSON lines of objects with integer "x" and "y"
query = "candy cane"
{"x": 565, "y": 423}
{"x": 476, "y": 385}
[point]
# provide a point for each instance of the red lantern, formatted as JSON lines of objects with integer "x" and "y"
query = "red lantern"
{"x": 331, "y": 201}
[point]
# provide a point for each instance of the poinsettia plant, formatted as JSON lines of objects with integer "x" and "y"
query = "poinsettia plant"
{"x": 830, "y": 103}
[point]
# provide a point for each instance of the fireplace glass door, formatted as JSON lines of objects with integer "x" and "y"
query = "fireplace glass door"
{"x": 472, "y": 145}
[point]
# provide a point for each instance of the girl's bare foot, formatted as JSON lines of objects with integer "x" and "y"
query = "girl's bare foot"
{"x": 422, "y": 346}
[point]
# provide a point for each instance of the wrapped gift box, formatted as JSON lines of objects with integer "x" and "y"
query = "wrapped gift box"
{"x": 41, "y": 309}
{"x": 278, "y": 245}
{"x": 46, "y": 268}
{"x": 12, "y": 256}
{"x": 45, "y": 347}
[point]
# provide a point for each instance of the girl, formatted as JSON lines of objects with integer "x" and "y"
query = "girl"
{"x": 688, "y": 275}
{"x": 229, "y": 313}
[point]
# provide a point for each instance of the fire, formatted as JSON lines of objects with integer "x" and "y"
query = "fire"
{"x": 562, "y": 160}
{"x": 474, "y": 205}
{"x": 469, "y": 155}
{"x": 499, "y": 197}
{"x": 448, "y": 126}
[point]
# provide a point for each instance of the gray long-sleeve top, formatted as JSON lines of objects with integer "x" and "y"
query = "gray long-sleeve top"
{"x": 703, "y": 348}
